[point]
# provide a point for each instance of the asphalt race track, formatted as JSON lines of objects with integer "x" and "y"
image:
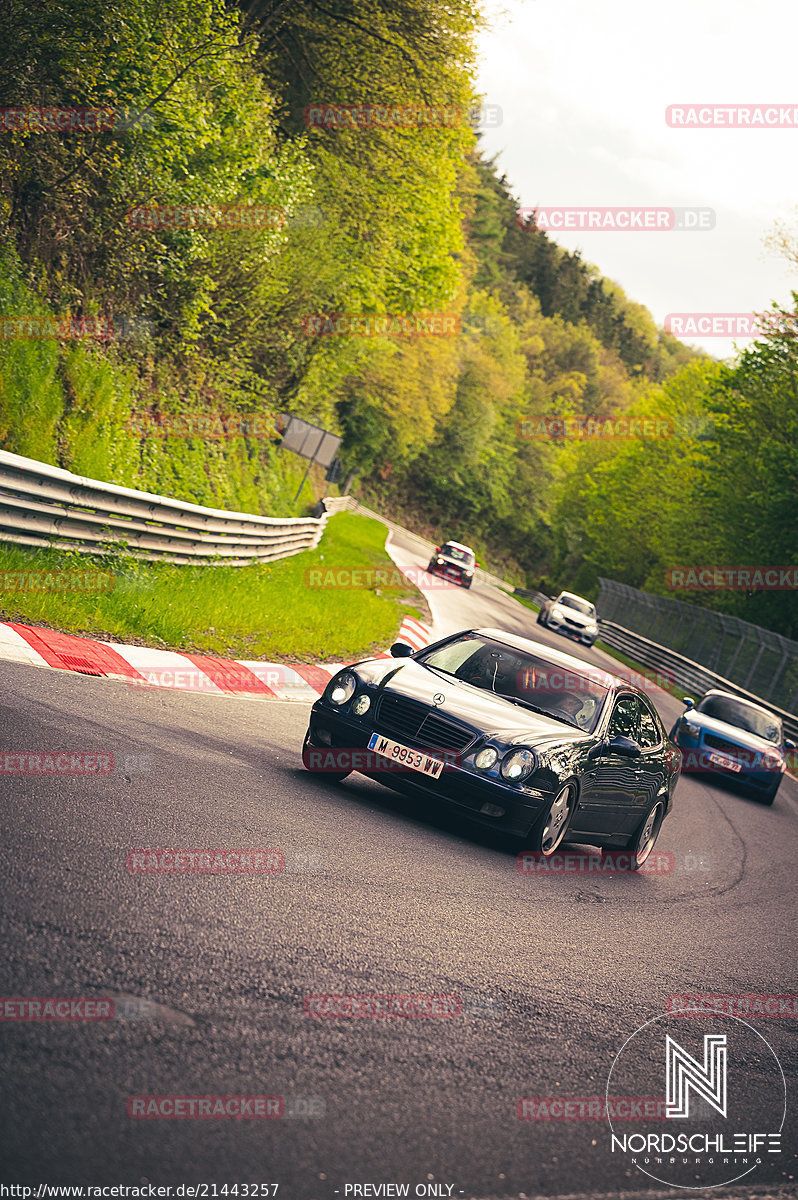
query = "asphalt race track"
{"x": 379, "y": 894}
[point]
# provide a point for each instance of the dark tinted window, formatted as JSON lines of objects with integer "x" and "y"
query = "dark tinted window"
{"x": 650, "y": 734}
{"x": 464, "y": 556}
{"x": 625, "y": 719}
{"x": 742, "y": 715}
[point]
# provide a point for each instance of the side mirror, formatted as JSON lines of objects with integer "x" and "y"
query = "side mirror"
{"x": 625, "y": 747}
{"x": 401, "y": 650}
{"x": 437, "y": 549}
{"x": 688, "y": 701}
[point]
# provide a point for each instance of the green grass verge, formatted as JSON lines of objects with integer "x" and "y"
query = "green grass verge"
{"x": 527, "y": 603}
{"x": 268, "y": 611}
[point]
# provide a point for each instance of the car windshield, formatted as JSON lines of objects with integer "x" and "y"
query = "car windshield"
{"x": 742, "y": 715}
{"x": 463, "y": 556}
{"x": 574, "y": 697}
{"x": 582, "y": 606}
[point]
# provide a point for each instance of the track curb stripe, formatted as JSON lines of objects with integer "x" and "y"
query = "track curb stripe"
{"x": 68, "y": 653}
{"x": 177, "y": 671}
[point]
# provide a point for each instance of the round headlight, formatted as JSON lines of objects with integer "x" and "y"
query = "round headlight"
{"x": 486, "y": 758}
{"x": 693, "y": 731}
{"x": 439, "y": 561}
{"x": 361, "y": 705}
{"x": 517, "y": 765}
{"x": 343, "y": 689}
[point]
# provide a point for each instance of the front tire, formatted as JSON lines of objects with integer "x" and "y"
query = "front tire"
{"x": 310, "y": 763}
{"x": 642, "y": 843}
{"x": 552, "y": 825}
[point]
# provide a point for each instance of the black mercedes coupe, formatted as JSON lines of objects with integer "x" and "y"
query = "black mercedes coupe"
{"x": 517, "y": 736}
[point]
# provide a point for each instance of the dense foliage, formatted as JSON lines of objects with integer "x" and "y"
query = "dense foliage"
{"x": 282, "y": 113}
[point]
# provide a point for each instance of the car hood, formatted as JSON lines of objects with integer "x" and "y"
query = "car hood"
{"x": 482, "y": 709}
{"x": 574, "y": 615}
{"x": 732, "y": 733}
{"x": 455, "y": 562}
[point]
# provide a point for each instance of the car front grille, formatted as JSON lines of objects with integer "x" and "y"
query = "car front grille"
{"x": 421, "y": 726}
{"x": 719, "y": 743}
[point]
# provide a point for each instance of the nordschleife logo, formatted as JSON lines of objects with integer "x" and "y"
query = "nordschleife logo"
{"x": 725, "y": 1101}
{"x": 707, "y": 1079}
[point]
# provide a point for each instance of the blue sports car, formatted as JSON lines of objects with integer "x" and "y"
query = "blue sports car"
{"x": 732, "y": 737}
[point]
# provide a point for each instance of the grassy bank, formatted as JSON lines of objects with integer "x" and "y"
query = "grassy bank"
{"x": 272, "y": 611}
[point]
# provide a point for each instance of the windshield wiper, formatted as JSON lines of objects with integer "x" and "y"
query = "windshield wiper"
{"x": 544, "y": 712}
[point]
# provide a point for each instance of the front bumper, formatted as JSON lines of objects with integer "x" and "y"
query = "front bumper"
{"x": 452, "y": 573}
{"x": 459, "y": 787}
{"x": 576, "y": 633}
{"x": 696, "y": 761}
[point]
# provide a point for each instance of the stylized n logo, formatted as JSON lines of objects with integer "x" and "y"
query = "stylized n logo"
{"x": 684, "y": 1072}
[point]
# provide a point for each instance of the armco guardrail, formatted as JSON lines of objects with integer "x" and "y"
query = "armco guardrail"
{"x": 685, "y": 673}
{"x": 759, "y": 661}
{"x": 42, "y": 505}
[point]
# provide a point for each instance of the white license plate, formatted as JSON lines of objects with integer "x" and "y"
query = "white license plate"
{"x": 720, "y": 760}
{"x": 413, "y": 759}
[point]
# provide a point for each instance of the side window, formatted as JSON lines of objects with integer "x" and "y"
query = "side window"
{"x": 650, "y": 734}
{"x": 625, "y": 719}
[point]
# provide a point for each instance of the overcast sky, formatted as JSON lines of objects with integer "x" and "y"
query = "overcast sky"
{"x": 584, "y": 85}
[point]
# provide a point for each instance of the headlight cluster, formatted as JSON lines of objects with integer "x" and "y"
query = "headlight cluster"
{"x": 486, "y": 758}
{"x": 516, "y": 765}
{"x": 361, "y": 705}
{"x": 693, "y": 731}
{"x": 343, "y": 688}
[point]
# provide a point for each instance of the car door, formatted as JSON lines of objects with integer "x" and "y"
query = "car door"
{"x": 651, "y": 764}
{"x": 611, "y": 804}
